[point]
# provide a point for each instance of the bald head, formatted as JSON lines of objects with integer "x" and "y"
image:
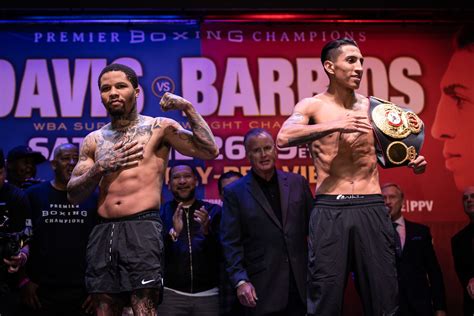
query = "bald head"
{"x": 65, "y": 158}
{"x": 64, "y": 147}
{"x": 468, "y": 202}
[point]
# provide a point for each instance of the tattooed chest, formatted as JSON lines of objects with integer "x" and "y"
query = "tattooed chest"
{"x": 109, "y": 138}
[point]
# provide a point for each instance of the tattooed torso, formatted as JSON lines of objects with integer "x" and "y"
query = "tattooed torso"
{"x": 107, "y": 138}
{"x": 345, "y": 162}
{"x": 138, "y": 188}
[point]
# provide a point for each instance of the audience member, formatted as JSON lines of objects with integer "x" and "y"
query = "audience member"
{"x": 14, "y": 217}
{"x": 264, "y": 231}
{"x": 462, "y": 245}
{"x": 58, "y": 247}
{"x": 21, "y": 166}
{"x": 192, "y": 249}
{"x": 225, "y": 179}
{"x": 421, "y": 286}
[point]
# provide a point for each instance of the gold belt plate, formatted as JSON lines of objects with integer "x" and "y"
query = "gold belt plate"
{"x": 393, "y": 121}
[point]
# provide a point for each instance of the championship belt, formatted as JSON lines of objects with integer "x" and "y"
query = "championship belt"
{"x": 399, "y": 133}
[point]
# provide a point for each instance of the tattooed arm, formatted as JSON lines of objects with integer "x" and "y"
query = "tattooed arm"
{"x": 85, "y": 176}
{"x": 199, "y": 143}
{"x": 88, "y": 173}
{"x": 297, "y": 131}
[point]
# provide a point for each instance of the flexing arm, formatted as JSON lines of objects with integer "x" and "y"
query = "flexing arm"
{"x": 296, "y": 131}
{"x": 199, "y": 143}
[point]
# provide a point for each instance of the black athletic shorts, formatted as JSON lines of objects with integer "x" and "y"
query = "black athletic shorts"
{"x": 125, "y": 254}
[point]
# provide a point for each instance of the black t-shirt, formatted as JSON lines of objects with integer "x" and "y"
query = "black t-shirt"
{"x": 15, "y": 213}
{"x": 14, "y": 208}
{"x": 60, "y": 234}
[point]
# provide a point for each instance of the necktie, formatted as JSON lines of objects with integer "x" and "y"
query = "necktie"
{"x": 398, "y": 242}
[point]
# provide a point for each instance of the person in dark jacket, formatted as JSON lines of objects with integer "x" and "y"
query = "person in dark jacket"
{"x": 15, "y": 220}
{"x": 229, "y": 304}
{"x": 192, "y": 248}
{"x": 21, "y": 166}
{"x": 462, "y": 245}
{"x": 420, "y": 278}
{"x": 264, "y": 233}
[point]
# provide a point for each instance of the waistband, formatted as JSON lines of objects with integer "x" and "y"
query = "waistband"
{"x": 212, "y": 292}
{"x": 348, "y": 199}
{"x": 152, "y": 214}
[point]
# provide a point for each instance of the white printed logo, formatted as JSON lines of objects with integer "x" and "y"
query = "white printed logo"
{"x": 349, "y": 197}
{"x": 147, "y": 281}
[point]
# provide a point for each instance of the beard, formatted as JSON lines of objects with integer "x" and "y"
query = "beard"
{"x": 117, "y": 112}
{"x": 120, "y": 112}
{"x": 184, "y": 197}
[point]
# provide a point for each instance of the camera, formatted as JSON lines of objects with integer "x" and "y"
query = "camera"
{"x": 9, "y": 245}
{"x": 10, "y": 242}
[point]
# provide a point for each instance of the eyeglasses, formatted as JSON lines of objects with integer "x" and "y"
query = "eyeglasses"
{"x": 263, "y": 150}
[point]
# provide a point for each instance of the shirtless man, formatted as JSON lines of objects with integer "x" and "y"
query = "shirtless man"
{"x": 349, "y": 227}
{"x": 127, "y": 159}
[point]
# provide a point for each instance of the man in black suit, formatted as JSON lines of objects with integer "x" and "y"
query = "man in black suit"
{"x": 462, "y": 245}
{"x": 420, "y": 279}
{"x": 264, "y": 230}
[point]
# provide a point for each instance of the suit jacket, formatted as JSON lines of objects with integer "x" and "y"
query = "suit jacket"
{"x": 420, "y": 278}
{"x": 260, "y": 249}
{"x": 463, "y": 254}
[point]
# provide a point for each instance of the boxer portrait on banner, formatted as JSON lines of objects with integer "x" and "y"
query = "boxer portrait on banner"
{"x": 455, "y": 112}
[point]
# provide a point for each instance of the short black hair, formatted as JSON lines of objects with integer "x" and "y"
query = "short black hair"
{"x": 129, "y": 72}
{"x": 254, "y": 132}
{"x": 178, "y": 164}
{"x": 464, "y": 37}
{"x": 227, "y": 175}
{"x": 327, "y": 53}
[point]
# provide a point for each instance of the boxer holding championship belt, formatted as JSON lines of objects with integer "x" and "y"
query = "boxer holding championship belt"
{"x": 399, "y": 133}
